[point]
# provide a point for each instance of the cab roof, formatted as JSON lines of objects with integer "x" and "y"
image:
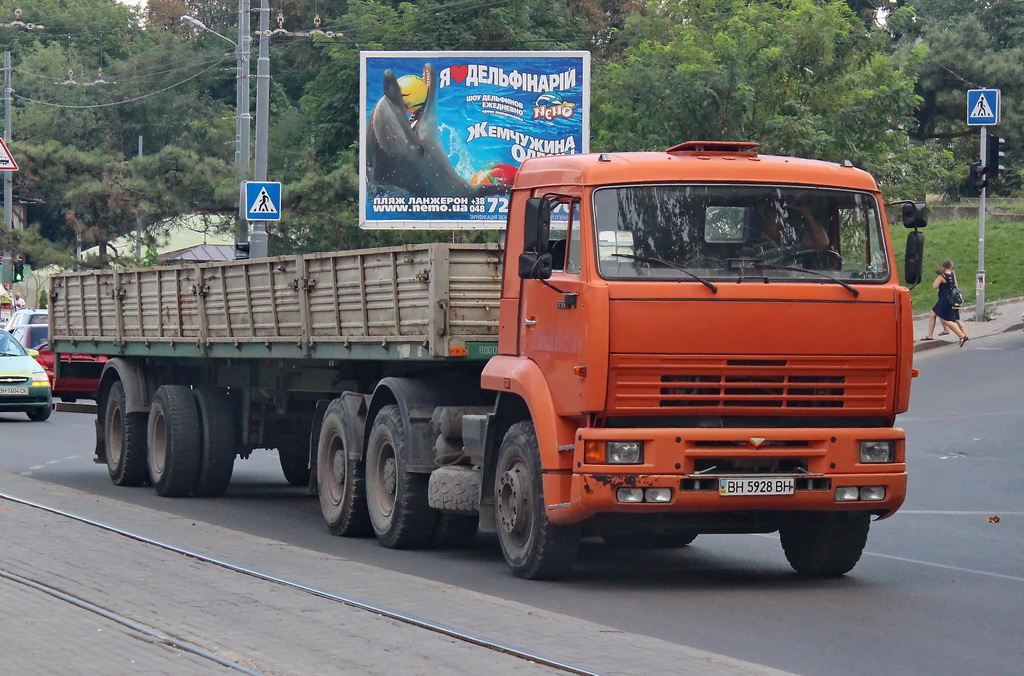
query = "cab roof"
{"x": 692, "y": 161}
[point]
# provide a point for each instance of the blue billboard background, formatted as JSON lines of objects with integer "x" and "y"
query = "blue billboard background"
{"x": 443, "y": 133}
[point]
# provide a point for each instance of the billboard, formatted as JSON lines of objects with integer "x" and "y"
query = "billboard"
{"x": 443, "y": 133}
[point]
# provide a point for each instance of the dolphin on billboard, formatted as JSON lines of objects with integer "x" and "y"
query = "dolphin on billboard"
{"x": 404, "y": 150}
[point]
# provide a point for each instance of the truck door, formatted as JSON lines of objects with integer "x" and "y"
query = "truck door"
{"x": 563, "y": 324}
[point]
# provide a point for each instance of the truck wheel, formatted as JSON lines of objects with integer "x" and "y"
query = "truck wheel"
{"x": 534, "y": 548}
{"x": 295, "y": 465}
{"x": 397, "y": 499}
{"x": 173, "y": 436}
{"x": 341, "y": 480}
{"x": 39, "y": 414}
{"x": 824, "y": 544}
{"x": 217, "y": 443}
{"x": 125, "y": 437}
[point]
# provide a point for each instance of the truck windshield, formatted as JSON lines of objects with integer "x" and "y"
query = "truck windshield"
{"x": 730, "y": 232}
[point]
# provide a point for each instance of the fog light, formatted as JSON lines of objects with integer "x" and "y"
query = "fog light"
{"x": 625, "y": 452}
{"x": 658, "y": 495}
{"x": 872, "y": 492}
{"x": 876, "y": 451}
{"x": 630, "y": 495}
{"x": 847, "y": 494}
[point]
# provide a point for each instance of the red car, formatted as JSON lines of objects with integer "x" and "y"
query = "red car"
{"x": 80, "y": 373}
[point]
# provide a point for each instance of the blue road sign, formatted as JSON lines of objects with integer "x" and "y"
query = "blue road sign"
{"x": 982, "y": 107}
{"x": 262, "y": 201}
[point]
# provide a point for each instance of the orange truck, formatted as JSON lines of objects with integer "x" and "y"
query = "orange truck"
{"x": 699, "y": 341}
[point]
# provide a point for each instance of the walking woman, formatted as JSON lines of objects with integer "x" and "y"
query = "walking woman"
{"x": 943, "y": 309}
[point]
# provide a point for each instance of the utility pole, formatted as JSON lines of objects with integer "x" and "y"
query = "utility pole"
{"x": 138, "y": 223}
{"x": 244, "y": 120}
{"x": 258, "y": 238}
{"x": 5, "y": 267}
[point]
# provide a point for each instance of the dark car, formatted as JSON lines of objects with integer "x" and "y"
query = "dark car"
{"x": 80, "y": 373}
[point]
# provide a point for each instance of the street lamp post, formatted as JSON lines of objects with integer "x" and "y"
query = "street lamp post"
{"x": 242, "y": 117}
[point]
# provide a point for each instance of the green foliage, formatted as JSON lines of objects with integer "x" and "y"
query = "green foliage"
{"x": 800, "y": 77}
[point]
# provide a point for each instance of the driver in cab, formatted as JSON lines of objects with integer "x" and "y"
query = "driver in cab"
{"x": 786, "y": 233}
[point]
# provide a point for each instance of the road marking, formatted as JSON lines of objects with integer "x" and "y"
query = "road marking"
{"x": 944, "y": 566}
{"x": 72, "y": 457}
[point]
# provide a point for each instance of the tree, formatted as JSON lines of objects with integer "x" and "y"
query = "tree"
{"x": 800, "y": 77}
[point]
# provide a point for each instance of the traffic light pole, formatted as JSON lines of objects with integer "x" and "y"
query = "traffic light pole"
{"x": 979, "y": 307}
{"x": 6, "y": 266}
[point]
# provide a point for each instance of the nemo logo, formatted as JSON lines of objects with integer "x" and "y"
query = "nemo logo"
{"x": 549, "y": 106}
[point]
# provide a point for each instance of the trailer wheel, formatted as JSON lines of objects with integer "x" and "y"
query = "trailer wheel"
{"x": 125, "y": 438}
{"x": 341, "y": 481}
{"x": 217, "y": 442}
{"x": 397, "y": 499}
{"x": 534, "y": 548}
{"x": 295, "y": 465}
{"x": 173, "y": 436}
{"x": 824, "y": 544}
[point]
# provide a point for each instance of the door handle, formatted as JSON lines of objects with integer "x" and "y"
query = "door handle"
{"x": 529, "y": 322}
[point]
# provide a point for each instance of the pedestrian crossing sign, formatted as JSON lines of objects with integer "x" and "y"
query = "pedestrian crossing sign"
{"x": 982, "y": 107}
{"x": 262, "y": 201}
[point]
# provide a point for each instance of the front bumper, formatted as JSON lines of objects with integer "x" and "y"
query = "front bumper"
{"x": 690, "y": 462}
{"x": 38, "y": 397}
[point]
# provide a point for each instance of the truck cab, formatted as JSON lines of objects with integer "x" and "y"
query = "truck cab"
{"x": 706, "y": 340}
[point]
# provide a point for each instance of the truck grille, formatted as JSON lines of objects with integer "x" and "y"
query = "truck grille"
{"x": 741, "y": 385}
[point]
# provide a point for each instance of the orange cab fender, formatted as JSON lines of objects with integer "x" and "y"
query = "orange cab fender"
{"x": 523, "y": 378}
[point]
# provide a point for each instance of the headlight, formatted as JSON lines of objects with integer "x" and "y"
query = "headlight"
{"x": 877, "y": 451}
{"x": 40, "y": 378}
{"x": 614, "y": 452}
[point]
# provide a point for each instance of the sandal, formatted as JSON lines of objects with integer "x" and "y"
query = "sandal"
{"x": 944, "y": 333}
{"x": 964, "y": 340}
{"x": 927, "y": 338}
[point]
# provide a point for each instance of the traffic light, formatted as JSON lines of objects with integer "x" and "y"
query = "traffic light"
{"x": 241, "y": 251}
{"x": 19, "y": 272}
{"x": 992, "y": 156}
{"x": 978, "y": 175}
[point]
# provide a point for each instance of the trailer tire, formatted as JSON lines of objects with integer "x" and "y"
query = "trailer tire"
{"x": 295, "y": 465}
{"x": 534, "y": 548}
{"x": 395, "y": 497}
{"x": 217, "y": 441}
{"x": 124, "y": 435}
{"x": 341, "y": 481}
{"x": 173, "y": 436}
{"x": 824, "y": 544}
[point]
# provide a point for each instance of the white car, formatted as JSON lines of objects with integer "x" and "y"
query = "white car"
{"x": 27, "y": 316}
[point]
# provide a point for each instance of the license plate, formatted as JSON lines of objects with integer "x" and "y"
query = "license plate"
{"x": 756, "y": 486}
{"x": 8, "y": 389}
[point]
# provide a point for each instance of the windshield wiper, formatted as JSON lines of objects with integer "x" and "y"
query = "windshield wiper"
{"x": 761, "y": 265}
{"x": 667, "y": 264}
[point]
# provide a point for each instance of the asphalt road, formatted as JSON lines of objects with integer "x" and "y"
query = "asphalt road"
{"x": 940, "y": 589}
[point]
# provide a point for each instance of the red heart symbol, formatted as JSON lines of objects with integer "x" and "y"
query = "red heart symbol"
{"x": 459, "y": 73}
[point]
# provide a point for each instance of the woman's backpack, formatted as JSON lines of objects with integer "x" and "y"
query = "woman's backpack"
{"x": 956, "y": 296}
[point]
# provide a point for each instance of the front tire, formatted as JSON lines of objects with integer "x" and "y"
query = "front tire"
{"x": 824, "y": 544}
{"x": 39, "y": 414}
{"x": 125, "y": 438}
{"x": 534, "y": 548}
{"x": 295, "y": 465}
{"x": 173, "y": 436}
{"x": 396, "y": 498}
{"x": 341, "y": 481}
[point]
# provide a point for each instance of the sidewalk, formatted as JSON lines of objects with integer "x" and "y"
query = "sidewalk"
{"x": 1006, "y": 316}
{"x": 77, "y": 599}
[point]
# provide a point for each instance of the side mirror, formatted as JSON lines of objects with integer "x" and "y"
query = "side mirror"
{"x": 913, "y": 263}
{"x": 533, "y": 265}
{"x": 33, "y": 353}
{"x": 537, "y": 225}
{"x": 915, "y": 214}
